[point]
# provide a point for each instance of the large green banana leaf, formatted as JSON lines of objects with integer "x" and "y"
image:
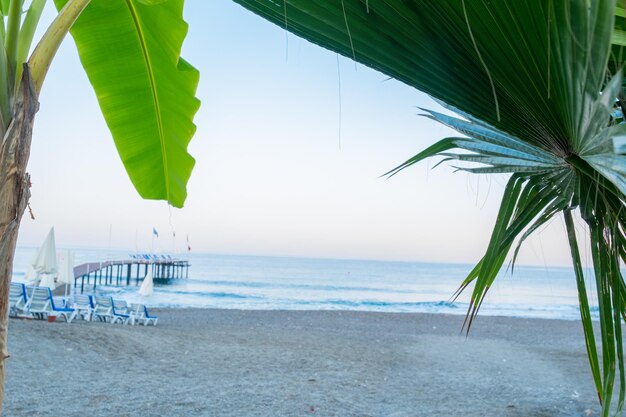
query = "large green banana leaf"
{"x": 130, "y": 50}
{"x": 539, "y": 86}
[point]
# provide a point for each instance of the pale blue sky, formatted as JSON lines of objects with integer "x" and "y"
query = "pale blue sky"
{"x": 273, "y": 175}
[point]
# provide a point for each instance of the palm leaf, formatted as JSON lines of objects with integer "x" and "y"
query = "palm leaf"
{"x": 618, "y": 48}
{"x": 469, "y": 57}
{"x": 145, "y": 90}
{"x": 526, "y": 79}
{"x": 585, "y": 311}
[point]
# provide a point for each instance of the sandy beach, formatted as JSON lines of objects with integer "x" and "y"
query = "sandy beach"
{"x": 200, "y": 362}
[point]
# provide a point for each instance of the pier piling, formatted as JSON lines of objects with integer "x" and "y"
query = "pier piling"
{"x": 121, "y": 272}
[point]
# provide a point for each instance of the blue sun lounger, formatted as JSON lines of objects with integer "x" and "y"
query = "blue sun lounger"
{"x": 148, "y": 318}
{"x": 140, "y": 315}
{"x": 103, "y": 309}
{"x": 120, "y": 312}
{"x": 18, "y": 300}
{"x": 83, "y": 306}
{"x": 41, "y": 305}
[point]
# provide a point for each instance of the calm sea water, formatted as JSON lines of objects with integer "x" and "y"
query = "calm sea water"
{"x": 253, "y": 282}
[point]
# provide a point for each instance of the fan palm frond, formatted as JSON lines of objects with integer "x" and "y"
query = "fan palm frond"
{"x": 539, "y": 91}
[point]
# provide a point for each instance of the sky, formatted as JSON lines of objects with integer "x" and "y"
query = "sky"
{"x": 290, "y": 146}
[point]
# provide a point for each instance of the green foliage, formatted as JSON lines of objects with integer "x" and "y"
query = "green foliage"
{"x": 4, "y": 7}
{"x": 618, "y": 40}
{"x": 131, "y": 53}
{"x": 16, "y": 36}
{"x": 532, "y": 84}
{"x": 27, "y": 32}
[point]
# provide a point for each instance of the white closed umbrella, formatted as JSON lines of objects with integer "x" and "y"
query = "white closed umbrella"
{"x": 44, "y": 264}
{"x": 31, "y": 277}
{"x": 46, "y": 260}
{"x": 47, "y": 280}
{"x": 147, "y": 285}
{"x": 66, "y": 270}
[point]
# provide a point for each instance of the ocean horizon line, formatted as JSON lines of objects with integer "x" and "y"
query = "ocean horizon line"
{"x": 129, "y": 251}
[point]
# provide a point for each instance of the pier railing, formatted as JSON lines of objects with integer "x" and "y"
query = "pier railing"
{"x": 127, "y": 272}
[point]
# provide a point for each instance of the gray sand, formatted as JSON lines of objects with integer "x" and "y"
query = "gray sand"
{"x": 295, "y": 363}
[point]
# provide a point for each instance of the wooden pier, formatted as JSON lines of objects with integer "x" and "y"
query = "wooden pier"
{"x": 127, "y": 272}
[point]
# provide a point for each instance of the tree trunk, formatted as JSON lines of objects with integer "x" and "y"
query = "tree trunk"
{"x": 14, "y": 195}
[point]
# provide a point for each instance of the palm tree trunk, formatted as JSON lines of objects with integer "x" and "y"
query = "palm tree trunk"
{"x": 14, "y": 195}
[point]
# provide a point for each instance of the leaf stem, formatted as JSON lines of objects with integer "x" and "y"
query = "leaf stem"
{"x": 46, "y": 49}
{"x": 26, "y": 34}
{"x": 12, "y": 34}
{"x": 2, "y": 31}
{"x": 5, "y": 100}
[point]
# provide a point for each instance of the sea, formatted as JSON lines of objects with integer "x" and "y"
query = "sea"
{"x": 284, "y": 283}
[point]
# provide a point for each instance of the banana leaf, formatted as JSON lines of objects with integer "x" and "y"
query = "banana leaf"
{"x": 145, "y": 89}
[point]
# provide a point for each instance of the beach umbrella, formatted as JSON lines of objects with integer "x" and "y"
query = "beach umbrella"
{"x": 46, "y": 259}
{"x": 30, "y": 276}
{"x": 147, "y": 285}
{"x": 48, "y": 281}
{"x": 66, "y": 270}
{"x": 44, "y": 262}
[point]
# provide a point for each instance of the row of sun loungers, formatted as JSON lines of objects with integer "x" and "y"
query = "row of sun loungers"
{"x": 150, "y": 257}
{"x": 38, "y": 302}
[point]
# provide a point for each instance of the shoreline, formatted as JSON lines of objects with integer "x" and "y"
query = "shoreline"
{"x": 457, "y": 312}
{"x": 229, "y": 362}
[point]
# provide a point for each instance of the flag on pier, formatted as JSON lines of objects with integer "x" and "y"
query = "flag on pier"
{"x": 154, "y": 232}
